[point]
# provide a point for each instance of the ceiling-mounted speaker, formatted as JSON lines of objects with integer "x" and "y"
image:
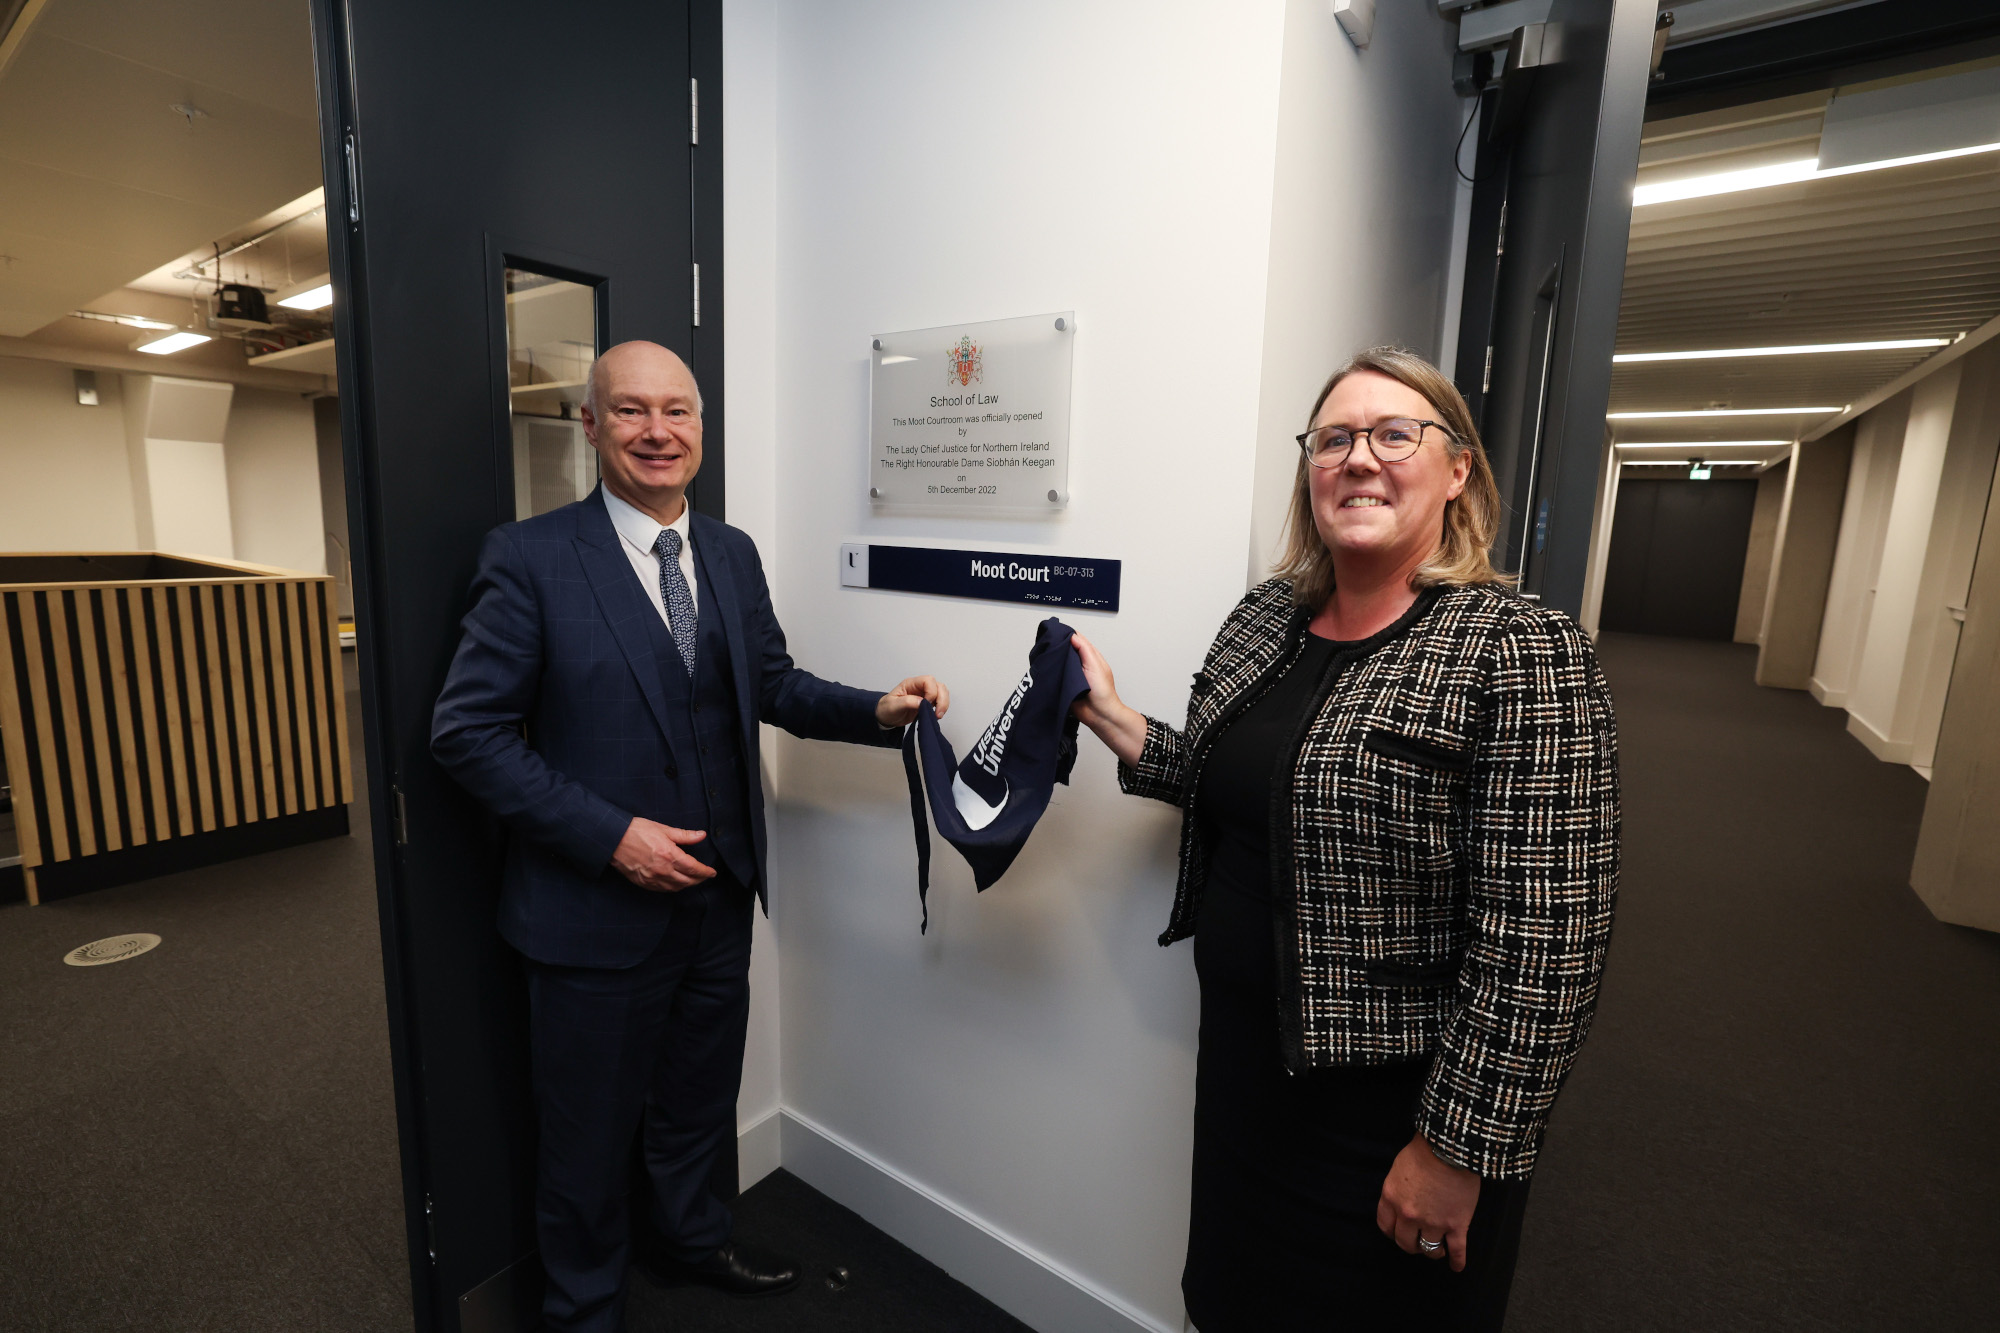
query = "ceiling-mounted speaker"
{"x": 241, "y": 305}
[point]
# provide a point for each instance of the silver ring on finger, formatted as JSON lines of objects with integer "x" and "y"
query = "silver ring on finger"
{"x": 1431, "y": 1247}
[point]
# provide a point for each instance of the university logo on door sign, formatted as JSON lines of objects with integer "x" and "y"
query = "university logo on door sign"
{"x": 963, "y": 363}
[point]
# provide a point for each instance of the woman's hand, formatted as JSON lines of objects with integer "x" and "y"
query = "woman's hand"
{"x": 1430, "y": 1199}
{"x": 1122, "y": 729}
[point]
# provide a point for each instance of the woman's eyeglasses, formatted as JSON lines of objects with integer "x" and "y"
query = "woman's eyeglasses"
{"x": 1390, "y": 441}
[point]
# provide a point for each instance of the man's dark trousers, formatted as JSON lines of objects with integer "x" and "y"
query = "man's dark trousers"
{"x": 567, "y": 712}
{"x": 658, "y": 1046}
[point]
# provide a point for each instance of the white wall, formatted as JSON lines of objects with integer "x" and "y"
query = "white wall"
{"x": 272, "y": 454}
{"x": 65, "y": 482}
{"x": 1950, "y": 550}
{"x": 180, "y": 477}
{"x": 1025, "y": 1071}
{"x": 195, "y": 466}
{"x": 1871, "y": 483}
{"x": 1910, "y": 530}
{"x": 1351, "y": 265}
{"x": 1878, "y": 679}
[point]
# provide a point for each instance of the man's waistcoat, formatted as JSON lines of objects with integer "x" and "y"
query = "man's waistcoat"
{"x": 704, "y": 736}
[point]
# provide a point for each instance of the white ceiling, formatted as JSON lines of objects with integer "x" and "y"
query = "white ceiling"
{"x": 101, "y": 182}
{"x": 1905, "y": 252}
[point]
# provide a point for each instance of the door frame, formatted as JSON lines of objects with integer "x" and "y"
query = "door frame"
{"x": 504, "y": 1300}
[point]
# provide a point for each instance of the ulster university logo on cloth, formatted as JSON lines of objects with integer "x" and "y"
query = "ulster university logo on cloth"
{"x": 987, "y": 805}
{"x": 963, "y": 363}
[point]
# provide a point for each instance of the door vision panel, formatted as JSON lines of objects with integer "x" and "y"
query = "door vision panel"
{"x": 474, "y": 151}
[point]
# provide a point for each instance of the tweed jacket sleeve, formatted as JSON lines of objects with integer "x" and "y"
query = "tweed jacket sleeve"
{"x": 1161, "y": 770}
{"x": 1540, "y": 860}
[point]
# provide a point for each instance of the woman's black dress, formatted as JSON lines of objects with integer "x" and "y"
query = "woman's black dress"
{"x": 1288, "y": 1168}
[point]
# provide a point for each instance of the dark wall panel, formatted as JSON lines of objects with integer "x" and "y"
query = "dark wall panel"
{"x": 1676, "y": 561}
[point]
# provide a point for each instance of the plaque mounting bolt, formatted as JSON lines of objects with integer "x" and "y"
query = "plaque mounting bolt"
{"x": 1062, "y": 325}
{"x": 875, "y": 492}
{"x": 1054, "y": 498}
{"x": 878, "y": 344}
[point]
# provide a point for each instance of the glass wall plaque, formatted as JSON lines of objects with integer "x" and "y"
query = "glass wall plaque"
{"x": 972, "y": 418}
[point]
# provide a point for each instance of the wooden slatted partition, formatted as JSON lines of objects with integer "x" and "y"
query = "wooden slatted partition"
{"x": 184, "y": 700}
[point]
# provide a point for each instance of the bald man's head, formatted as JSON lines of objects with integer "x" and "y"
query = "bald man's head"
{"x": 639, "y": 354}
{"x": 642, "y": 413}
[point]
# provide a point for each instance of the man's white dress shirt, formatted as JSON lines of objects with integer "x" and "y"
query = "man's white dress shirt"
{"x": 637, "y": 533}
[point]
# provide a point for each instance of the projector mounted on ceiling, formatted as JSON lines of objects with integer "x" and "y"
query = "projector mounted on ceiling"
{"x": 241, "y": 306}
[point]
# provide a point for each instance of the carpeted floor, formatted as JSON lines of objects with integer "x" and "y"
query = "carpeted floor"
{"x": 202, "y": 1139}
{"x": 884, "y": 1288}
{"x": 1784, "y": 1118}
{"x": 1782, "y": 1121}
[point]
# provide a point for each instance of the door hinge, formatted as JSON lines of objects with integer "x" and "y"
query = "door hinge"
{"x": 1486, "y": 375}
{"x": 430, "y": 1228}
{"x": 353, "y": 182}
{"x": 694, "y": 110}
{"x": 697, "y": 296}
{"x": 1500, "y": 244}
{"x": 399, "y": 816}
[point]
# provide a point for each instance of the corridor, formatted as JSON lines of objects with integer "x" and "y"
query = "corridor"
{"x": 1783, "y": 1118}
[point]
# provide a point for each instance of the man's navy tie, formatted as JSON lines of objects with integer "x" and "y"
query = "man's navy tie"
{"x": 674, "y": 594}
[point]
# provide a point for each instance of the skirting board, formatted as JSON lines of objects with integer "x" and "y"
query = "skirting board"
{"x": 1830, "y": 697}
{"x": 1888, "y": 751}
{"x": 1028, "y": 1285}
{"x": 758, "y": 1149}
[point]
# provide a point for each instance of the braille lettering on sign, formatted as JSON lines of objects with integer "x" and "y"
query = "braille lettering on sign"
{"x": 994, "y": 576}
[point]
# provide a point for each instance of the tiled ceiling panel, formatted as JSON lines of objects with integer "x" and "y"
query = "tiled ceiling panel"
{"x": 102, "y": 179}
{"x": 1903, "y": 252}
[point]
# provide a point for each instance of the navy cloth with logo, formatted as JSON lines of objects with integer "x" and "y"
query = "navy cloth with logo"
{"x": 987, "y": 805}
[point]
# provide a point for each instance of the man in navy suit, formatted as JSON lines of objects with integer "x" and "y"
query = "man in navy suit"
{"x": 604, "y": 702}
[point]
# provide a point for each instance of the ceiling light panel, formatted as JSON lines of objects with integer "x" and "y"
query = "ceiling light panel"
{"x": 312, "y": 298}
{"x": 1799, "y": 349}
{"x": 1783, "y": 173}
{"x": 178, "y": 341}
{"x": 1727, "y": 412}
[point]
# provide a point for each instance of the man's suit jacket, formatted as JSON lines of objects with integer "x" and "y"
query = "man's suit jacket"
{"x": 557, "y": 639}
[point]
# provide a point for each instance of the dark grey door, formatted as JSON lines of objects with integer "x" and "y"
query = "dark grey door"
{"x": 1677, "y": 555}
{"x": 1545, "y": 269}
{"x": 486, "y": 162}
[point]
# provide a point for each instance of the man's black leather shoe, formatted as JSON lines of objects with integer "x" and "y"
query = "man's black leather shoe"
{"x": 737, "y": 1268}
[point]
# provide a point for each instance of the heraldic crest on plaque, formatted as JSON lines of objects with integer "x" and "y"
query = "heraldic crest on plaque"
{"x": 962, "y": 363}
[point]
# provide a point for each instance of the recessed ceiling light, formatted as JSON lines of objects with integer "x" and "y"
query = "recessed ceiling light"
{"x": 1704, "y": 444}
{"x": 312, "y": 298}
{"x": 1685, "y": 462}
{"x": 1781, "y": 173}
{"x": 1718, "y": 354}
{"x": 1727, "y": 412}
{"x": 173, "y": 342}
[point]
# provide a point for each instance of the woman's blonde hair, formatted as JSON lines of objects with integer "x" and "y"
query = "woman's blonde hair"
{"x": 1471, "y": 518}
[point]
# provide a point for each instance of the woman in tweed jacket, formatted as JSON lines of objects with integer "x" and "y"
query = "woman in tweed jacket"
{"x": 1398, "y": 861}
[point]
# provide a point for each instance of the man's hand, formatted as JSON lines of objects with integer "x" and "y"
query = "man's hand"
{"x": 650, "y": 856}
{"x": 899, "y": 706}
{"x": 1426, "y": 1199}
